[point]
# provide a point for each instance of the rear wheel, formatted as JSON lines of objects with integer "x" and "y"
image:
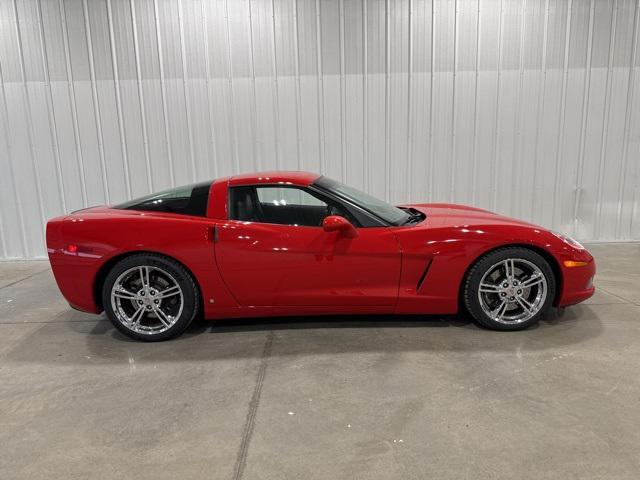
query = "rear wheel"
{"x": 150, "y": 297}
{"x": 509, "y": 289}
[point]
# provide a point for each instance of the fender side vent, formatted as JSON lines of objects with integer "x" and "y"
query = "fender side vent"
{"x": 424, "y": 274}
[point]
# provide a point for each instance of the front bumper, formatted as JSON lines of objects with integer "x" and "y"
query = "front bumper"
{"x": 577, "y": 284}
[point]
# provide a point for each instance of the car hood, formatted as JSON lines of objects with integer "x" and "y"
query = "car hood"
{"x": 451, "y": 215}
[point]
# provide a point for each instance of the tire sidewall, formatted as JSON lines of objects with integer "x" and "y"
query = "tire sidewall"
{"x": 472, "y": 285}
{"x": 183, "y": 278}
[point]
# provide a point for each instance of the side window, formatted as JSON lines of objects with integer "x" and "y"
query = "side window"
{"x": 288, "y": 196}
{"x": 280, "y": 205}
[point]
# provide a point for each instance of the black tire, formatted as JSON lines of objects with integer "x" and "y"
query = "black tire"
{"x": 190, "y": 297}
{"x": 471, "y": 286}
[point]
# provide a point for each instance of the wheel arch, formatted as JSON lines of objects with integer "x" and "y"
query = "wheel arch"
{"x": 551, "y": 260}
{"x": 103, "y": 271}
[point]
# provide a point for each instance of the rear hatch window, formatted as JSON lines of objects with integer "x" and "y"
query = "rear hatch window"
{"x": 186, "y": 200}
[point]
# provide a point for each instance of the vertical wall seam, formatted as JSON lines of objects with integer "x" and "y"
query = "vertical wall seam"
{"x": 495, "y": 163}
{"x": 163, "y": 94}
{"x": 276, "y": 93}
{"x": 72, "y": 101}
{"x": 96, "y": 101}
{"x": 254, "y": 103}
{"x": 541, "y": 98}
{"x": 387, "y": 62}
{"x": 321, "y": 136}
{"x": 232, "y": 101}
{"x": 431, "y": 122}
{"x": 298, "y": 94}
{"x": 207, "y": 68}
{"x": 343, "y": 120}
{"x": 53, "y": 128}
{"x": 3, "y": 240}
{"x": 365, "y": 97}
{"x": 605, "y": 125}
{"x": 474, "y": 153}
{"x": 627, "y": 121}
{"x": 634, "y": 207}
{"x": 5, "y": 125}
{"x": 187, "y": 102}
{"x": 143, "y": 113}
{"x": 516, "y": 177}
{"x": 116, "y": 88}
{"x": 585, "y": 115}
{"x": 454, "y": 160}
{"x": 410, "y": 108}
{"x": 561, "y": 120}
{"x": 12, "y": 173}
{"x": 30, "y": 132}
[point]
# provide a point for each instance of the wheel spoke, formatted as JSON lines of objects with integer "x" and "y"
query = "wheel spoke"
{"x": 509, "y": 269}
{"x": 144, "y": 277}
{"x": 163, "y": 317}
{"x": 136, "y": 317}
{"x": 532, "y": 280}
{"x": 527, "y": 307}
{"x": 498, "y": 312}
{"x": 489, "y": 288}
{"x": 124, "y": 293}
{"x": 169, "y": 292}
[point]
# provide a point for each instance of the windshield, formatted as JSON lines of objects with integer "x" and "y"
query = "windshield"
{"x": 383, "y": 210}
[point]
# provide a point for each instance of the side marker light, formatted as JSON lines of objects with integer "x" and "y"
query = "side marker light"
{"x": 574, "y": 263}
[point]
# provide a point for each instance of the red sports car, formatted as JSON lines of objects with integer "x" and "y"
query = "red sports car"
{"x": 296, "y": 243}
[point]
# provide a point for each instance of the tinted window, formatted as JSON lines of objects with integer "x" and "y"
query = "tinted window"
{"x": 280, "y": 196}
{"x": 187, "y": 200}
{"x": 389, "y": 213}
{"x": 281, "y": 205}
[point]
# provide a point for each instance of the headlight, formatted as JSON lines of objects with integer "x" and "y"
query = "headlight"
{"x": 569, "y": 241}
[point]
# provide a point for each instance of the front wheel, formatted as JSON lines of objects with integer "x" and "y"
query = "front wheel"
{"x": 509, "y": 289}
{"x": 150, "y": 297}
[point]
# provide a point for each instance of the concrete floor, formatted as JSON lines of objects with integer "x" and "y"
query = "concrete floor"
{"x": 343, "y": 397}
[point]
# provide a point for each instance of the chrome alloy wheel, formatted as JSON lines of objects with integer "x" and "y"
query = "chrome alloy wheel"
{"x": 147, "y": 299}
{"x": 512, "y": 291}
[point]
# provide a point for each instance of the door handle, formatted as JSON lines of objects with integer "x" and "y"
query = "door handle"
{"x": 215, "y": 236}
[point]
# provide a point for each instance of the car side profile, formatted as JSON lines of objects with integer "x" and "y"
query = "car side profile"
{"x": 297, "y": 243}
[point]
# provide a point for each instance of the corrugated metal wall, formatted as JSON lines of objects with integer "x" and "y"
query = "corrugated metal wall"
{"x": 526, "y": 107}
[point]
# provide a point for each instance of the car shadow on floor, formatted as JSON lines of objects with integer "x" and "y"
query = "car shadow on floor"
{"x": 366, "y": 333}
{"x": 329, "y": 321}
{"x": 460, "y": 320}
{"x": 78, "y": 338}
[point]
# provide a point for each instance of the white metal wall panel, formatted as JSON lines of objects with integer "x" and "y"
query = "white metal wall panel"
{"x": 526, "y": 107}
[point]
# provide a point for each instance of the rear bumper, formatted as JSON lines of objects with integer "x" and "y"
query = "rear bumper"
{"x": 74, "y": 271}
{"x": 75, "y": 280}
{"x": 80, "y": 308}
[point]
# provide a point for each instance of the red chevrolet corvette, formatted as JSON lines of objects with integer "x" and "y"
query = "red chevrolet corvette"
{"x": 296, "y": 243}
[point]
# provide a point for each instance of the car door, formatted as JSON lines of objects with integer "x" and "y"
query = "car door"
{"x": 274, "y": 251}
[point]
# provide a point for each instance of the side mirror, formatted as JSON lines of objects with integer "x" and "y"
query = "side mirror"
{"x": 336, "y": 223}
